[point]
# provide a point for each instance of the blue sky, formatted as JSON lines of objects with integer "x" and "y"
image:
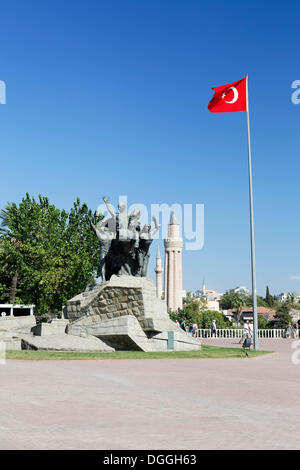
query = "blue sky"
{"x": 110, "y": 97}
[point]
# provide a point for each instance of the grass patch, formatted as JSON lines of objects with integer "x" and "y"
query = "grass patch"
{"x": 207, "y": 352}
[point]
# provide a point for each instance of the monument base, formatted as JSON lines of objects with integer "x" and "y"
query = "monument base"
{"x": 125, "y": 313}
{"x": 13, "y": 328}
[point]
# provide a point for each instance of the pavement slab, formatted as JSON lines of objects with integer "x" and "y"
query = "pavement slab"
{"x": 153, "y": 403}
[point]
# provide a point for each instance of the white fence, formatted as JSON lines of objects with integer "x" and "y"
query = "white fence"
{"x": 238, "y": 333}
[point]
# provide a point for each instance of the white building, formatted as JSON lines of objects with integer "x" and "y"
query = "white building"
{"x": 284, "y": 296}
{"x": 211, "y": 297}
{"x": 213, "y": 305}
{"x": 17, "y": 310}
{"x": 241, "y": 290}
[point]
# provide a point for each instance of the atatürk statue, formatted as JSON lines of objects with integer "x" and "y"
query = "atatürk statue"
{"x": 124, "y": 245}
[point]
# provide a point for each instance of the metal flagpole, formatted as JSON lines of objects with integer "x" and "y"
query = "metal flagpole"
{"x": 254, "y": 299}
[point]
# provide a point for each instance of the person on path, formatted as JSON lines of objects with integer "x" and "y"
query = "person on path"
{"x": 214, "y": 329}
{"x": 246, "y": 332}
{"x": 191, "y": 329}
{"x": 288, "y": 331}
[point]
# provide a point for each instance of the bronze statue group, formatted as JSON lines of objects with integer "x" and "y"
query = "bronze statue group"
{"x": 124, "y": 244}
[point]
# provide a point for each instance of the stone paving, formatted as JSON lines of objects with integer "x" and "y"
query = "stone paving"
{"x": 153, "y": 404}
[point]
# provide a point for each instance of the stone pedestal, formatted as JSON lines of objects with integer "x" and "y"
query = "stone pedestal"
{"x": 126, "y": 313}
{"x": 56, "y": 327}
{"x": 13, "y": 328}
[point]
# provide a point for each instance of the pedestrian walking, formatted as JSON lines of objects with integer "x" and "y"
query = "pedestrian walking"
{"x": 288, "y": 331}
{"x": 295, "y": 330}
{"x": 214, "y": 329}
{"x": 246, "y": 332}
{"x": 191, "y": 329}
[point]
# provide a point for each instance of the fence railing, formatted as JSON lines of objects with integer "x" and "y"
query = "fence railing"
{"x": 238, "y": 333}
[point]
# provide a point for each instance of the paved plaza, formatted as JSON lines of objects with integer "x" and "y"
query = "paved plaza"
{"x": 153, "y": 404}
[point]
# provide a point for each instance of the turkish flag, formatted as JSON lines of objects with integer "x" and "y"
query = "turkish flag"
{"x": 229, "y": 98}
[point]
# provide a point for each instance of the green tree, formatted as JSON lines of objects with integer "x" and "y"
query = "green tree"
{"x": 205, "y": 319}
{"x": 260, "y": 301}
{"x": 53, "y": 252}
{"x": 238, "y": 304}
{"x": 262, "y": 322}
{"x": 269, "y": 298}
{"x": 227, "y": 301}
{"x": 283, "y": 317}
{"x": 9, "y": 254}
{"x": 292, "y": 299}
{"x": 188, "y": 298}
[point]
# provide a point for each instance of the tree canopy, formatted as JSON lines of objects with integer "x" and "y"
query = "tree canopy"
{"x": 47, "y": 255}
{"x": 203, "y": 318}
{"x": 283, "y": 317}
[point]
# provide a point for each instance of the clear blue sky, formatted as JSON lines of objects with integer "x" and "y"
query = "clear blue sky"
{"x": 110, "y": 97}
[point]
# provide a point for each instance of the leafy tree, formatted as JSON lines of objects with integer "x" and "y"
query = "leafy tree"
{"x": 238, "y": 304}
{"x": 292, "y": 299}
{"x": 232, "y": 300}
{"x": 188, "y": 313}
{"x": 227, "y": 301}
{"x": 188, "y": 298}
{"x": 283, "y": 317}
{"x": 202, "y": 318}
{"x": 260, "y": 301}
{"x": 47, "y": 255}
{"x": 205, "y": 319}
{"x": 262, "y": 322}
{"x": 9, "y": 252}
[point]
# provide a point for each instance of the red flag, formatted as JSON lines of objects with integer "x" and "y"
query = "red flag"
{"x": 229, "y": 98}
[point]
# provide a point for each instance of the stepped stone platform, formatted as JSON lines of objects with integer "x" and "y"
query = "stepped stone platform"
{"x": 122, "y": 313}
{"x": 12, "y": 329}
{"x": 64, "y": 342}
{"x": 126, "y": 314}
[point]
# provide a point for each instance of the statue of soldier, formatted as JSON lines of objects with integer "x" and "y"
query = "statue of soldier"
{"x": 145, "y": 240}
{"x": 105, "y": 237}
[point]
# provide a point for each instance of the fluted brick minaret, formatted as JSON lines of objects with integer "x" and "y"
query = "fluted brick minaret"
{"x": 158, "y": 269}
{"x": 173, "y": 265}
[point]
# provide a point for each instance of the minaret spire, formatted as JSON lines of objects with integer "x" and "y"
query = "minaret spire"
{"x": 203, "y": 287}
{"x": 173, "y": 265}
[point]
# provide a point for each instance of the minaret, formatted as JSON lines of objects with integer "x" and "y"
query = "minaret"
{"x": 173, "y": 265}
{"x": 203, "y": 288}
{"x": 158, "y": 269}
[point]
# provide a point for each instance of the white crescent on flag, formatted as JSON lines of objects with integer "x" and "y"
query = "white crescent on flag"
{"x": 235, "y": 95}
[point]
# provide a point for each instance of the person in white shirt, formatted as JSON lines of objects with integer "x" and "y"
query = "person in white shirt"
{"x": 213, "y": 329}
{"x": 251, "y": 329}
{"x": 246, "y": 332}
